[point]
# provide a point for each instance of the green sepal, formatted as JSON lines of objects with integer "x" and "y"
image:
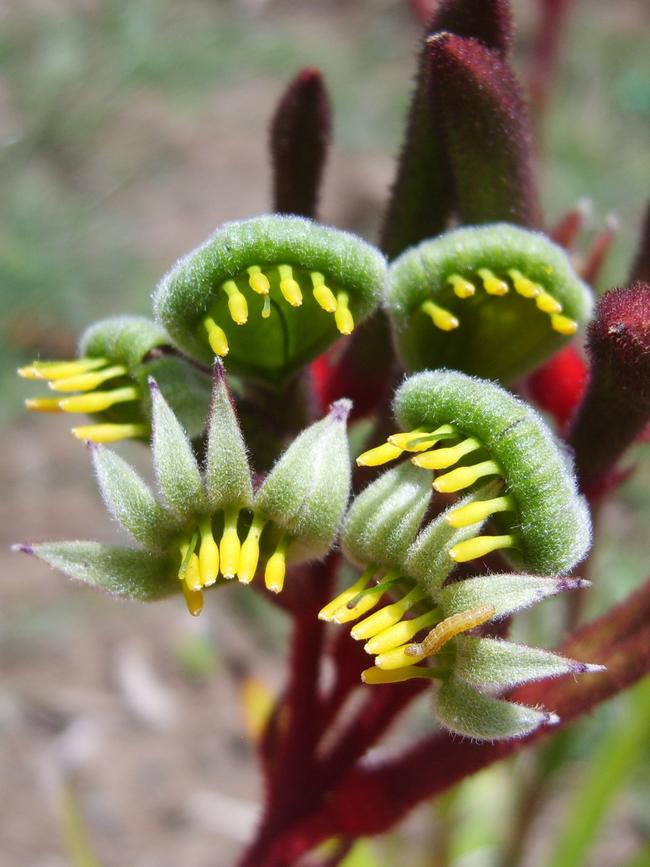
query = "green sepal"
{"x": 463, "y": 710}
{"x": 385, "y": 517}
{"x": 227, "y": 472}
{"x": 498, "y": 337}
{"x": 141, "y": 575}
{"x": 130, "y": 502}
{"x": 307, "y": 490}
{"x": 177, "y": 471}
{"x": 122, "y": 339}
{"x": 185, "y": 388}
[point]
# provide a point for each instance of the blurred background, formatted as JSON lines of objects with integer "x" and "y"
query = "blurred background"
{"x": 128, "y": 130}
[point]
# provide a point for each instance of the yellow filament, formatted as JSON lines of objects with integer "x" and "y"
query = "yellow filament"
{"x": 442, "y": 319}
{"x": 276, "y": 567}
{"x": 547, "y": 304}
{"x": 237, "y": 305}
{"x": 288, "y": 286}
{"x": 491, "y": 283}
{"x": 328, "y": 611}
{"x": 193, "y": 600}
{"x": 440, "y": 459}
{"x": 250, "y": 552}
{"x": 463, "y": 516}
{"x": 376, "y": 675}
{"x": 87, "y": 381}
{"x": 400, "y": 633}
{"x": 563, "y": 325}
{"x": 343, "y": 315}
{"x": 208, "y": 554}
{"x": 462, "y": 288}
{"x": 230, "y": 546}
{"x": 523, "y": 286}
{"x": 421, "y": 440}
{"x": 379, "y": 455}
{"x": 109, "y": 433}
{"x": 395, "y": 658}
{"x": 386, "y": 616}
{"x": 463, "y": 477}
{"x": 60, "y": 369}
{"x": 258, "y": 281}
{"x": 99, "y": 400}
{"x": 322, "y": 293}
{"x": 480, "y": 546}
{"x": 216, "y": 337}
{"x": 43, "y": 404}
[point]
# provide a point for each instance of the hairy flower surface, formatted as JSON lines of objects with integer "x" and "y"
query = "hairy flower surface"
{"x": 211, "y": 526}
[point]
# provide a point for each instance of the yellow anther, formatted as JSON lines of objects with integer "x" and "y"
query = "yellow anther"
{"x": 192, "y": 576}
{"x": 208, "y": 553}
{"x": 266, "y": 307}
{"x": 491, "y": 283}
{"x": 230, "y": 545}
{"x": 547, "y": 304}
{"x": 563, "y": 325}
{"x": 440, "y": 459}
{"x": 400, "y": 633}
{"x": 463, "y": 477}
{"x": 193, "y": 600}
{"x": 258, "y": 281}
{"x": 463, "y": 516}
{"x": 237, "y": 306}
{"x": 60, "y": 369}
{"x": 379, "y": 455}
{"x": 99, "y": 400}
{"x": 366, "y": 603}
{"x": 43, "y": 404}
{"x": 322, "y": 293}
{"x": 376, "y": 675}
{"x": 276, "y": 567}
{"x": 479, "y": 546}
{"x": 442, "y": 319}
{"x": 250, "y": 551}
{"x": 343, "y": 315}
{"x": 216, "y": 337}
{"x": 328, "y": 611}
{"x": 523, "y": 286}
{"x": 87, "y": 381}
{"x": 462, "y": 287}
{"x": 110, "y": 433}
{"x": 288, "y": 286}
{"x": 421, "y": 440}
{"x": 395, "y": 658}
{"x": 386, "y": 616}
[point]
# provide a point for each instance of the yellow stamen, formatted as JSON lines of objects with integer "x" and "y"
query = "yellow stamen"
{"x": 322, "y": 293}
{"x": 109, "y": 433}
{"x": 547, "y": 304}
{"x": 400, "y": 633}
{"x": 266, "y": 307}
{"x": 449, "y": 628}
{"x": 99, "y": 400}
{"x": 463, "y": 516}
{"x": 463, "y": 477}
{"x": 479, "y": 546}
{"x": 230, "y": 545}
{"x": 193, "y": 600}
{"x": 328, "y": 611}
{"x": 563, "y": 325}
{"x": 420, "y": 440}
{"x": 462, "y": 288}
{"x": 366, "y": 600}
{"x": 250, "y": 551}
{"x": 276, "y": 567}
{"x": 88, "y": 381}
{"x": 523, "y": 286}
{"x": 258, "y": 281}
{"x": 395, "y": 658}
{"x": 216, "y": 337}
{"x": 60, "y": 369}
{"x": 343, "y": 315}
{"x": 491, "y": 283}
{"x": 442, "y": 319}
{"x": 288, "y": 286}
{"x": 237, "y": 305}
{"x": 208, "y": 553}
{"x": 440, "y": 459}
{"x": 376, "y": 675}
{"x": 379, "y": 455}
{"x": 386, "y": 616}
{"x": 43, "y": 404}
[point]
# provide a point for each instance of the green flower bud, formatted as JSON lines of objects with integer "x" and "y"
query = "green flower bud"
{"x": 493, "y": 300}
{"x": 271, "y": 293}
